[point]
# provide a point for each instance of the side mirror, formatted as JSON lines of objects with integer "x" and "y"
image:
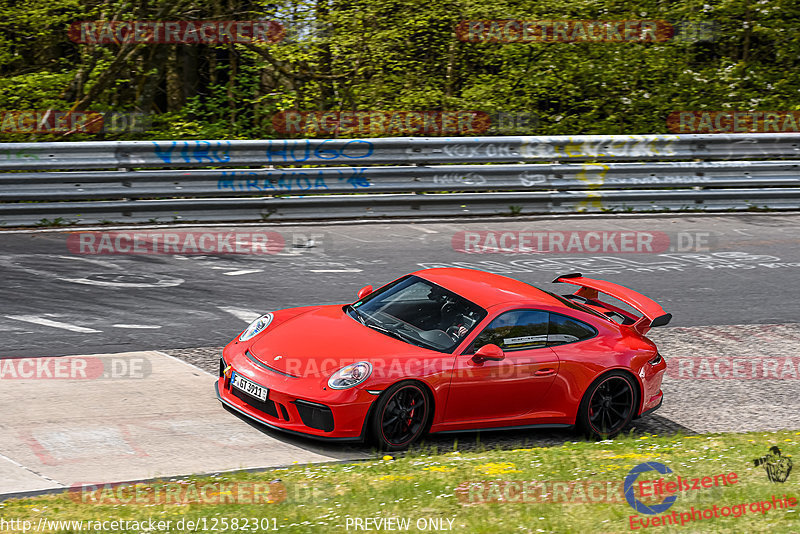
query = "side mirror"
{"x": 364, "y": 291}
{"x": 489, "y": 352}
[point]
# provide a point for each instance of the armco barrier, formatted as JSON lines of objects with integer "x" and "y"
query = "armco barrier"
{"x": 162, "y": 181}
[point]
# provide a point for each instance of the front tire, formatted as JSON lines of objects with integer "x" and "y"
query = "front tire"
{"x": 608, "y": 405}
{"x": 401, "y": 416}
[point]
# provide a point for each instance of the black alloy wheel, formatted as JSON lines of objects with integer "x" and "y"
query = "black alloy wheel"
{"x": 608, "y": 406}
{"x": 401, "y": 416}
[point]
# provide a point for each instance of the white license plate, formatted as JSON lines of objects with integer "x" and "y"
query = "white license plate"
{"x": 249, "y": 387}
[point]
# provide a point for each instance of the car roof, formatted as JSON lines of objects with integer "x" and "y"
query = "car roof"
{"x": 486, "y": 289}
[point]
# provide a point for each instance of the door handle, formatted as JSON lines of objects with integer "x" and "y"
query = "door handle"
{"x": 544, "y": 372}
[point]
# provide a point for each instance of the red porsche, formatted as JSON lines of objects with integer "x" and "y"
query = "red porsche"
{"x": 449, "y": 350}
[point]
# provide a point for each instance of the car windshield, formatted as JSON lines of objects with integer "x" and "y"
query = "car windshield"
{"x": 419, "y": 312}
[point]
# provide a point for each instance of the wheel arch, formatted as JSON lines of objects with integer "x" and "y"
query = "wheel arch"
{"x": 370, "y": 412}
{"x": 638, "y": 390}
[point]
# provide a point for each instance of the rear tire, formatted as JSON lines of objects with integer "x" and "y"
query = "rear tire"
{"x": 608, "y": 405}
{"x": 401, "y": 416}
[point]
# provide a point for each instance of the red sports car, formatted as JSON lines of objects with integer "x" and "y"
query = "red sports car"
{"x": 449, "y": 350}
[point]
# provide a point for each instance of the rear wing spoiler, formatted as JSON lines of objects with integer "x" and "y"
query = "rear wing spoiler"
{"x": 653, "y": 314}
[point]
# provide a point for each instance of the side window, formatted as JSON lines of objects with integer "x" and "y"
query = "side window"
{"x": 565, "y": 329}
{"x": 515, "y": 330}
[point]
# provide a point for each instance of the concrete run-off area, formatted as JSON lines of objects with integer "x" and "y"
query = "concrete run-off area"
{"x": 65, "y": 432}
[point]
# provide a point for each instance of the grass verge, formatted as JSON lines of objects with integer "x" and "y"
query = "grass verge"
{"x": 429, "y": 492}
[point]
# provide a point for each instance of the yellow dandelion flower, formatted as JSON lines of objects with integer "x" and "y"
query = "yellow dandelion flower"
{"x": 497, "y": 468}
{"x": 628, "y": 455}
{"x": 396, "y": 477}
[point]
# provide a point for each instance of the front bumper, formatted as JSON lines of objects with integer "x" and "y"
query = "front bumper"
{"x": 264, "y": 422}
{"x": 297, "y": 405}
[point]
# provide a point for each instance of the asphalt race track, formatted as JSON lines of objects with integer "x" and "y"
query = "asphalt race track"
{"x": 730, "y": 281}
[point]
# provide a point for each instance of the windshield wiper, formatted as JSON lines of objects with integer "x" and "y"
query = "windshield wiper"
{"x": 386, "y": 331}
{"x": 357, "y": 314}
{"x": 373, "y": 323}
{"x": 400, "y": 334}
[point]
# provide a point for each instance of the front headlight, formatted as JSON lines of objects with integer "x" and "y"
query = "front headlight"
{"x": 350, "y": 375}
{"x": 256, "y": 326}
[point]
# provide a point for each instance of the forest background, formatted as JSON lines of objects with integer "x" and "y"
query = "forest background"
{"x": 339, "y": 55}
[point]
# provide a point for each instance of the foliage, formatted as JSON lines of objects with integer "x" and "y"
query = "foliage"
{"x": 397, "y": 55}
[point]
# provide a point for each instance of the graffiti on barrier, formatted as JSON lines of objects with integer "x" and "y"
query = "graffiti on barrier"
{"x": 284, "y": 181}
{"x": 297, "y": 151}
{"x": 19, "y": 153}
{"x": 528, "y": 179}
{"x": 633, "y": 146}
{"x": 193, "y": 151}
{"x": 678, "y": 179}
{"x": 454, "y": 178}
{"x": 482, "y": 150}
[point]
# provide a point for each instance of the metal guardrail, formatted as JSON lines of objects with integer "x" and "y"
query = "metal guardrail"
{"x": 393, "y": 150}
{"x": 326, "y": 180}
{"x": 147, "y": 181}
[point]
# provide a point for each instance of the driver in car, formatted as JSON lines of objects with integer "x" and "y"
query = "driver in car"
{"x": 451, "y": 318}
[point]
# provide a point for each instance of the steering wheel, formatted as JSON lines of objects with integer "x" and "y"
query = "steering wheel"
{"x": 452, "y": 332}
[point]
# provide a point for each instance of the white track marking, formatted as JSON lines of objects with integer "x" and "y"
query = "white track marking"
{"x": 354, "y": 238}
{"x": 101, "y": 263}
{"x": 121, "y": 280}
{"x": 335, "y": 270}
{"x": 55, "y": 324}
{"x": 243, "y": 271}
{"x": 423, "y": 229}
{"x": 140, "y": 326}
{"x": 247, "y": 316}
{"x": 45, "y": 477}
{"x": 116, "y": 279}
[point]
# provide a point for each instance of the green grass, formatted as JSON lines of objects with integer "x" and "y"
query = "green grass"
{"x": 422, "y": 484}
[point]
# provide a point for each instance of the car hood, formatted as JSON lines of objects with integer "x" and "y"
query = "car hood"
{"x": 324, "y": 339}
